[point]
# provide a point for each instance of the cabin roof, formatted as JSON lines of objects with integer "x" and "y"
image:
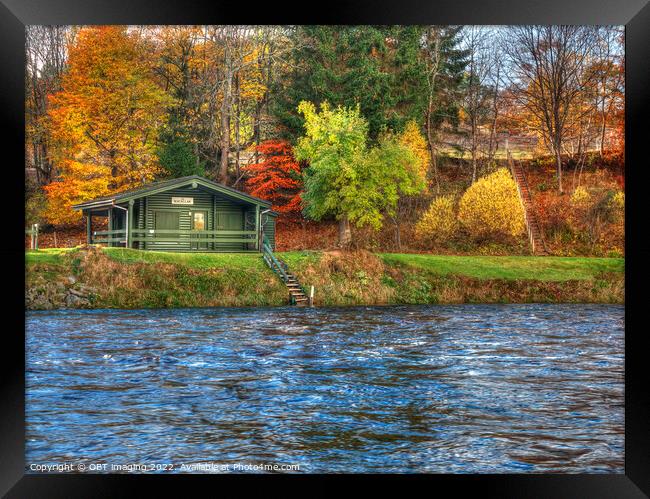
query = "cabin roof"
{"x": 164, "y": 185}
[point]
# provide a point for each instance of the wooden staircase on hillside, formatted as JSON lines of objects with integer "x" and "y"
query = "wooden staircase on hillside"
{"x": 297, "y": 295}
{"x": 533, "y": 228}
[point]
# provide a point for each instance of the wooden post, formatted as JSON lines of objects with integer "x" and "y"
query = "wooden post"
{"x": 257, "y": 227}
{"x": 31, "y": 237}
{"x": 129, "y": 224}
{"x": 56, "y": 244}
{"x": 311, "y": 297}
{"x": 89, "y": 227}
{"x": 110, "y": 226}
{"x": 36, "y": 229}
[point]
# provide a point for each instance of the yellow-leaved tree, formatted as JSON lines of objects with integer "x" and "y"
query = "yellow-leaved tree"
{"x": 490, "y": 207}
{"x": 412, "y": 138}
{"x": 104, "y": 120}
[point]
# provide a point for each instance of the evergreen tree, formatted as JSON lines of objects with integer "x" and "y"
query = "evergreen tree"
{"x": 376, "y": 68}
{"x": 176, "y": 151}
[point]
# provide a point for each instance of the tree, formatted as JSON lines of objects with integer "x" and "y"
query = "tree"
{"x": 220, "y": 78}
{"x": 176, "y": 152}
{"x": 176, "y": 69}
{"x": 412, "y": 138}
{"x": 548, "y": 76}
{"x": 277, "y": 178}
{"x": 105, "y": 119}
{"x": 608, "y": 77}
{"x": 346, "y": 179}
{"x": 445, "y": 63}
{"x": 45, "y": 62}
{"x": 477, "y": 103}
{"x": 377, "y": 68}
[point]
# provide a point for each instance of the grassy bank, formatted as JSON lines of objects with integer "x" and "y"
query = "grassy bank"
{"x": 120, "y": 278}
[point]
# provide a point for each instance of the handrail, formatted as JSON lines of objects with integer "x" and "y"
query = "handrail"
{"x": 195, "y": 231}
{"x": 511, "y": 164}
{"x": 529, "y": 229}
{"x": 109, "y": 232}
{"x": 272, "y": 261}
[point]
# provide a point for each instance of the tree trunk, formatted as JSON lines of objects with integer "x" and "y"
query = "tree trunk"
{"x": 602, "y": 134}
{"x": 257, "y": 129}
{"x": 432, "y": 153}
{"x": 345, "y": 236}
{"x": 237, "y": 136}
{"x": 558, "y": 163}
{"x": 493, "y": 127}
{"x": 225, "y": 128}
{"x": 474, "y": 147}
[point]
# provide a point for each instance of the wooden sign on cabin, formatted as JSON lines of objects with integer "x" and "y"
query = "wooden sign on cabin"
{"x": 183, "y": 201}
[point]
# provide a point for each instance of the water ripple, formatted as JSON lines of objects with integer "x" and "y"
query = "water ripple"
{"x": 456, "y": 389}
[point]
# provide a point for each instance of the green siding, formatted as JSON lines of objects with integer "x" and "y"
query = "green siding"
{"x": 269, "y": 228}
{"x": 163, "y": 202}
{"x": 213, "y": 204}
{"x": 223, "y": 213}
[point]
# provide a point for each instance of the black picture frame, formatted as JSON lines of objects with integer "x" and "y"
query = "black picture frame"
{"x": 635, "y": 14}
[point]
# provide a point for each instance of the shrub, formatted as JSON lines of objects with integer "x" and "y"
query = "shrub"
{"x": 580, "y": 196}
{"x": 438, "y": 222}
{"x": 491, "y": 207}
{"x": 618, "y": 200}
{"x": 35, "y": 207}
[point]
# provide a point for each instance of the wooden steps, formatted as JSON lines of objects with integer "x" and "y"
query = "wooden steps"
{"x": 297, "y": 295}
{"x": 537, "y": 243}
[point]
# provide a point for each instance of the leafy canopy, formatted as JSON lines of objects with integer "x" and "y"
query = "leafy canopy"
{"x": 104, "y": 121}
{"x": 277, "y": 177}
{"x": 345, "y": 177}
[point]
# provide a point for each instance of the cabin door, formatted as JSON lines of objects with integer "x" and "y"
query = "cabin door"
{"x": 200, "y": 223}
{"x": 230, "y": 220}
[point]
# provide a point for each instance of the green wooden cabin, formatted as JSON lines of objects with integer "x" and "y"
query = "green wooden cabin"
{"x": 183, "y": 214}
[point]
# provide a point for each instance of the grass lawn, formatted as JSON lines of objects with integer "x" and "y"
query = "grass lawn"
{"x": 239, "y": 261}
{"x": 50, "y": 256}
{"x": 127, "y": 278}
{"x": 541, "y": 268}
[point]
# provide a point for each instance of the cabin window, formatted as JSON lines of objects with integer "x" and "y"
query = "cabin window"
{"x": 199, "y": 220}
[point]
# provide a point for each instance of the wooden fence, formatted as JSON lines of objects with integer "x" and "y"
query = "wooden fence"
{"x": 33, "y": 233}
{"x": 174, "y": 236}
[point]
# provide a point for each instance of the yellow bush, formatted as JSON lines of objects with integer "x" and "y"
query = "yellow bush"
{"x": 580, "y": 196}
{"x": 618, "y": 200}
{"x": 438, "y": 222}
{"x": 491, "y": 206}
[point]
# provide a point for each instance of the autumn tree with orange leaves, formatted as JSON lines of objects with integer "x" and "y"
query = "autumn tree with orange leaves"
{"x": 104, "y": 120}
{"x": 277, "y": 178}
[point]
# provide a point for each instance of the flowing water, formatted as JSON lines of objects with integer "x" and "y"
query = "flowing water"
{"x": 450, "y": 389}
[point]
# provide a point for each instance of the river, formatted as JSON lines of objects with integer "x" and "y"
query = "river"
{"x": 442, "y": 389}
